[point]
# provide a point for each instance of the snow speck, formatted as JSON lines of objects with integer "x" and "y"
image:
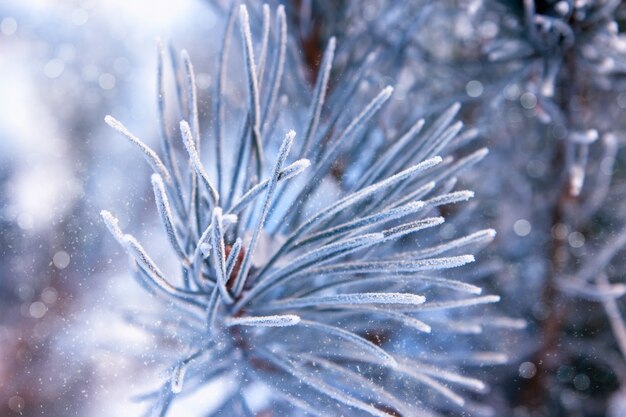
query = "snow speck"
{"x": 474, "y": 88}
{"x": 582, "y": 382}
{"x": 106, "y": 81}
{"x": 576, "y": 239}
{"x": 25, "y": 221}
{"x": 560, "y": 231}
{"x": 527, "y": 370}
{"x": 16, "y": 403}
{"x": 37, "y": 310}
{"x": 522, "y": 227}
{"x": 8, "y": 26}
{"x": 528, "y": 100}
{"x": 54, "y": 68}
{"x": 49, "y": 295}
{"x": 61, "y": 259}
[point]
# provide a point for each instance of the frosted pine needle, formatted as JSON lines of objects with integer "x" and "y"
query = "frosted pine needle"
{"x": 352, "y": 269}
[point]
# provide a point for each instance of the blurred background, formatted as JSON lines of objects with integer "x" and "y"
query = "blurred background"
{"x": 64, "y": 65}
{"x": 547, "y": 98}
